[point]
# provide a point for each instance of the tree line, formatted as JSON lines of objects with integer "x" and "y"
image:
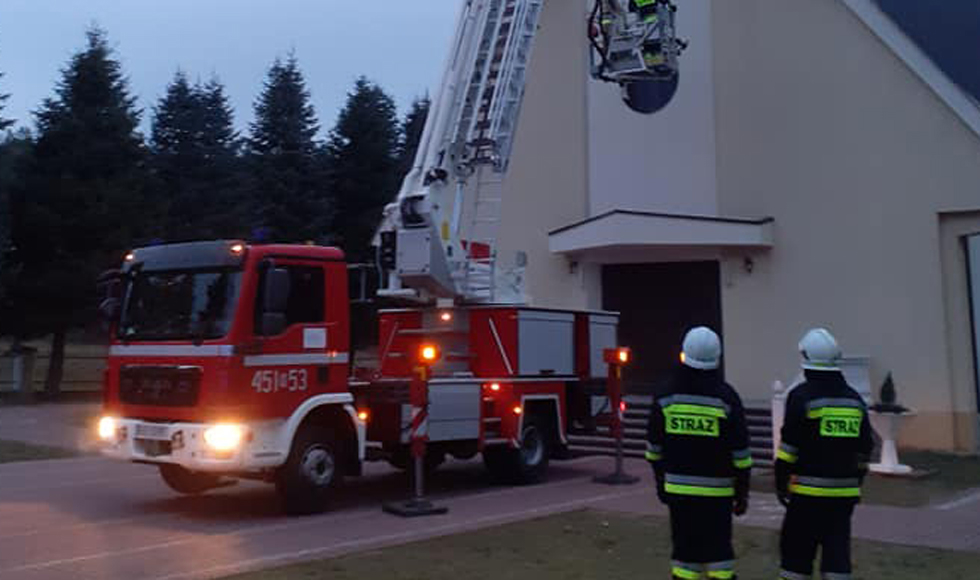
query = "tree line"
{"x": 85, "y": 185}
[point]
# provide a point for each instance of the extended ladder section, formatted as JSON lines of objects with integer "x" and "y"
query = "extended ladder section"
{"x": 448, "y": 211}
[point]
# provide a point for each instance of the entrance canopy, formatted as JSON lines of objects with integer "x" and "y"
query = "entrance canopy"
{"x": 625, "y": 235}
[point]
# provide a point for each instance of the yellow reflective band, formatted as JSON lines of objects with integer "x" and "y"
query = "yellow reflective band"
{"x": 685, "y": 573}
{"x": 721, "y": 574}
{"x": 787, "y": 457}
{"x": 835, "y": 411}
{"x": 651, "y": 456}
{"x": 825, "y": 491}
{"x": 699, "y": 490}
{"x": 692, "y": 409}
{"x": 742, "y": 463}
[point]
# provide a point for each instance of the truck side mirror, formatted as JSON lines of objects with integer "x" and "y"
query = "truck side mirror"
{"x": 275, "y": 301}
{"x": 110, "y": 287}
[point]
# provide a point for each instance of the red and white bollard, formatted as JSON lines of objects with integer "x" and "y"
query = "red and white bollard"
{"x": 418, "y": 396}
{"x": 616, "y": 359}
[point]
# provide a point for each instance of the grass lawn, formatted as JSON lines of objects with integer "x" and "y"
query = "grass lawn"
{"x": 11, "y": 451}
{"x": 596, "y": 545}
{"x": 953, "y": 475}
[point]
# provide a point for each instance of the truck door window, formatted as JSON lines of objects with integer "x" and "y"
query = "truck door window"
{"x": 306, "y": 295}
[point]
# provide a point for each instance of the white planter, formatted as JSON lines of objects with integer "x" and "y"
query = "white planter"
{"x": 888, "y": 426}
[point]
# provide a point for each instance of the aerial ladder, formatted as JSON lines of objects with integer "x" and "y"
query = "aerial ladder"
{"x": 438, "y": 239}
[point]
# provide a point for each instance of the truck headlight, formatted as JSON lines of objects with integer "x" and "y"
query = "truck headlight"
{"x": 107, "y": 428}
{"x": 224, "y": 437}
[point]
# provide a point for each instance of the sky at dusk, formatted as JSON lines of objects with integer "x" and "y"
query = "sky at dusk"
{"x": 400, "y": 45}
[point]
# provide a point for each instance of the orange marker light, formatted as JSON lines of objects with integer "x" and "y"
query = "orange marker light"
{"x": 237, "y": 249}
{"x": 683, "y": 358}
{"x": 495, "y": 387}
{"x": 428, "y": 353}
{"x": 446, "y": 316}
{"x": 363, "y": 416}
{"x": 518, "y": 410}
{"x": 130, "y": 257}
{"x": 617, "y": 356}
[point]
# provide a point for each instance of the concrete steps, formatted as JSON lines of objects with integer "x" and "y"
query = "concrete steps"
{"x": 635, "y": 426}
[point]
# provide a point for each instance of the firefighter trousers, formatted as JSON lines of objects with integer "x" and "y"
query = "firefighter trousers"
{"x": 812, "y": 523}
{"x": 701, "y": 530}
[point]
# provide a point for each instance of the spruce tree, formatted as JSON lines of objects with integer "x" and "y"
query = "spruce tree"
{"x": 15, "y": 160}
{"x": 4, "y": 122}
{"x": 174, "y": 142}
{"x": 221, "y": 146}
{"x": 288, "y": 199}
{"x": 194, "y": 144}
{"x": 362, "y": 153}
{"x": 85, "y": 202}
{"x": 411, "y": 133}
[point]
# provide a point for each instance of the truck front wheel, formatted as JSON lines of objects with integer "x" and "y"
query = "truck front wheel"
{"x": 311, "y": 472}
{"x": 188, "y": 482}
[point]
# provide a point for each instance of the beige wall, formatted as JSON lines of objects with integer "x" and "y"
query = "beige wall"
{"x": 824, "y": 128}
{"x": 817, "y": 124}
{"x": 547, "y": 180}
{"x": 663, "y": 162}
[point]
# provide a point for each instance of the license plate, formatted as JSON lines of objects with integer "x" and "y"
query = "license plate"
{"x": 156, "y": 432}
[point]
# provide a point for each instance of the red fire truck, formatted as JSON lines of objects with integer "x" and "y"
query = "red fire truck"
{"x": 234, "y": 360}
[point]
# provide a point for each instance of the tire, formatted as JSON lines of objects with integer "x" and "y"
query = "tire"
{"x": 188, "y": 482}
{"x": 311, "y": 472}
{"x": 525, "y": 465}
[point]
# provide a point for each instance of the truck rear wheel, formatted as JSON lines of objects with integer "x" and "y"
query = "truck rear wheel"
{"x": 528, "y": 463}
{"x": 188, "y": 482}
{"x": 311, "y": 472}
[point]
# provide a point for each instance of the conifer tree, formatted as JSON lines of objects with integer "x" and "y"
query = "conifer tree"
{"x": 289, "y": 203}
{"x": 84, "y": 203}
{"x": 363, "y": 163}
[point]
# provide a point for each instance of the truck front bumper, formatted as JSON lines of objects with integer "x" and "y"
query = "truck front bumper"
{"x": 183, "y": 444}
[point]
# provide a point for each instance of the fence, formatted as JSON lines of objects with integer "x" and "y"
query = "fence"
{"x": 84, "y": 364}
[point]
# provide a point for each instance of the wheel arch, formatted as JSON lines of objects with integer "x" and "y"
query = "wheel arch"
{"x": 337, "y": 411}
{"x": 546, "y": 407}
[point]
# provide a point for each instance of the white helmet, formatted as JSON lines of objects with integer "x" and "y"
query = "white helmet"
{"x": 820, "y": 351}
{"x": 702, "y": 349}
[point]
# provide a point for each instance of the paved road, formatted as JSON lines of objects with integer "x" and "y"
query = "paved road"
{"x": 92, "y": 518}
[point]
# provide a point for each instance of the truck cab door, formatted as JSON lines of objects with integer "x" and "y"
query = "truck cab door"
{"x": 295, "y": 350}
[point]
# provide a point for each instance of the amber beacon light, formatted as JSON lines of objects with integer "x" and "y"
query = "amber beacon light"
{"x": 617, "y": 356}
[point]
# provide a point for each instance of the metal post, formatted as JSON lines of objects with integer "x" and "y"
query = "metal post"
{"x": 419, "y": 399}
{"x": 614, "y": 385}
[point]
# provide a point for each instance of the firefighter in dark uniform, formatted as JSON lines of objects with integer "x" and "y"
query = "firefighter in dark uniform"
{"x": 698, "y": 445}
{"x": 649, "y": 11}
{"x": 821, "y": 463}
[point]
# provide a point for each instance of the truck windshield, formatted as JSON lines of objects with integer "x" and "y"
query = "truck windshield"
{"x": 177, "y": 305}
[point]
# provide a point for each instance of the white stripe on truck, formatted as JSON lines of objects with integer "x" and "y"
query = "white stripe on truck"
{"x": 165, "y": 350}
{"x": 319, "y": 358}
{"x": 216, "y": 351}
